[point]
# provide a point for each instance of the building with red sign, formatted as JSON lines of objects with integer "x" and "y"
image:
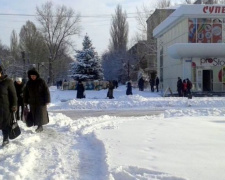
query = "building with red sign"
{"x": 190, "y": 44}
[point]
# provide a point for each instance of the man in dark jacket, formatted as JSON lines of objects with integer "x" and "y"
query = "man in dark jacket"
{"x": 141, "y": 84}
{"x": 37, "y": 95}
{"x": 110, "y": 90}
{"x": 80, "y": 90}
{"x": 129, "y": 89}
{"x": 179, "y": 87}
{"x": 157, "y": 84}
{"x": 19, "y": 85}
{"x": 8, "y": 104}
{"x": 152, "y": 83}
{"x": 189, "y": 86}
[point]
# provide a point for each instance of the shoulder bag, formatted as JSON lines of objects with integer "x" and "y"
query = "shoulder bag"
{"x": 14, "y": 131}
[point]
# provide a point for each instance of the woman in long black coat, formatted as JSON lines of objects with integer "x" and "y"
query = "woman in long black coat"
{"x": 8, "y": 103}
{"x": 37, "y": 95}
{"x": 110, "y": 90}
{"x": 129, "y": 89}
{"x": 80, "y": 90}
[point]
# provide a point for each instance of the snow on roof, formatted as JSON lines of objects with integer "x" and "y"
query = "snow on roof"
{"x": 192, "y": 11}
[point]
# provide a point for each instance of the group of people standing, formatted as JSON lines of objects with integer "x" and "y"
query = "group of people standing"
{"x": 154, "y": 84}
{"x": 14, "y": 96}
{"x": 183, "y": 87}
{"x": 111, "y": 86}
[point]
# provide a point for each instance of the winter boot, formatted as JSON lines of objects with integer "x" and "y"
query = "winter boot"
{"x": 39, "y": 129}
{"x": 5, "y": 137}
{"x": 5, "y": 142}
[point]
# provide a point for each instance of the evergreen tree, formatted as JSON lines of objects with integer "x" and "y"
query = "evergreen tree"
{"x": 88, "y": 65}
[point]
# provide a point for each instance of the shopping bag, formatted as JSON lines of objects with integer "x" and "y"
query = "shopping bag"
{"x": 29, "y": 120}
{"x": 14, "y": 131}
{"x": 28, "y": 117}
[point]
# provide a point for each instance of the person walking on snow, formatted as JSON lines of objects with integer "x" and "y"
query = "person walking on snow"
{"x": 157, "y": 84}
{"x": 8, "y": 105}
{"x": 19, "y": 85}
{"x": 179, "y": 87}
{"x": 80, "y": 90}
{"x": 37, "y": 95}
{"x": 141, "y": 84}
{"x": 189, "y": 86}
{"x": 129, "y": 89}
{"x": 110, "y": 90}
{"x": 152, "y": 83}
{"x": 184, "y": 88}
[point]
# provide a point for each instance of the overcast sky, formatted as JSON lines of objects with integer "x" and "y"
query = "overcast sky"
{"x": 96, "y": 27}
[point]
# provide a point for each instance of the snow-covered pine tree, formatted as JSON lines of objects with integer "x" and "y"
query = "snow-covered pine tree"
{"x": 88, "y": 65}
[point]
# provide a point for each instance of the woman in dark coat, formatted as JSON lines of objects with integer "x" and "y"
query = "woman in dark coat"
{"x": 36, "y": 94}
{"x": 157, "y": 84}
{"x": 179, "y": 87}
{"x": 152, "y": 83}
{"x": 129, "y": 89}
{"x": 110, "y": 90}
{"x": 8, "y": 104}
{"x": 141, "y": 84}
{"x": 80, "y": 90}
{"x": 19, "y": 85}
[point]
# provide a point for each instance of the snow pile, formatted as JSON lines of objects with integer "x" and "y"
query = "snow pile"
{"x": 185, "y": 140}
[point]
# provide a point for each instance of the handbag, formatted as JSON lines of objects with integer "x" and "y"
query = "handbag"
{"x": 14, "y": 131}
{"x": 28, "y": 117}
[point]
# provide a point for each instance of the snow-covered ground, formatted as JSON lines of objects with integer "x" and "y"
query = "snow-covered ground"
{"x": 185, "y": 139}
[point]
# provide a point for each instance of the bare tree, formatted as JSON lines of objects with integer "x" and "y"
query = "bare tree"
{"x": 188, "y": 1}
{"x": 119, "y": 30}
{"x": 147, "y": 52}
{"x": 142, "y": 15}
{"x": 219, "y": 2}
{"x": 6, "y": 60}
{"x": 163, "y": 3}
{"x": 112, "y": 61}
{"x": 57, "y": 28}
{"x": 14, "y": 45}
{"x": 33, "y": 45}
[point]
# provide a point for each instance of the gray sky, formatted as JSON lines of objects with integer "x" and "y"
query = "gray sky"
{"x": 96, "y": 27}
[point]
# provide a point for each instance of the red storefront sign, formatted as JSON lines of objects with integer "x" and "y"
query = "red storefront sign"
{"x": 214, "y": 9}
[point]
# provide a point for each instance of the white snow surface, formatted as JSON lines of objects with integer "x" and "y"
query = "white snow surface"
{"x": 185, "y": 141}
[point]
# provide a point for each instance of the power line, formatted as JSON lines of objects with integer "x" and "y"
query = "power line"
{"x": 82, "y": 16}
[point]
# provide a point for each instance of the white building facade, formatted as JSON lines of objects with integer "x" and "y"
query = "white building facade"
{"x": 190, "y": 44}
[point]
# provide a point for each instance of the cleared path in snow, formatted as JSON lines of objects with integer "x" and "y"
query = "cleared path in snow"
{"x": 76, "y": 114}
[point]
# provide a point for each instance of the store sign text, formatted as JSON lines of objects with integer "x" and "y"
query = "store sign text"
{"x": 212, "y": 62}
{"x": 214, "y": 9}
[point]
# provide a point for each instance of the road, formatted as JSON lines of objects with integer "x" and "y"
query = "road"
{"x": 76, "y": 114}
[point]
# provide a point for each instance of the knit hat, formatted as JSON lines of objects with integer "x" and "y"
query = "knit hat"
{"x": 19, "y": 79}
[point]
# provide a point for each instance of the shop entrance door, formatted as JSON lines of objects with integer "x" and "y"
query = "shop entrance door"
{"x": 207, "y": 80}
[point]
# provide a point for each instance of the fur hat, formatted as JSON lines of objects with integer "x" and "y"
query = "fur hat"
{"x": 19, "y": 79}
{"x": 33, "y": 71}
